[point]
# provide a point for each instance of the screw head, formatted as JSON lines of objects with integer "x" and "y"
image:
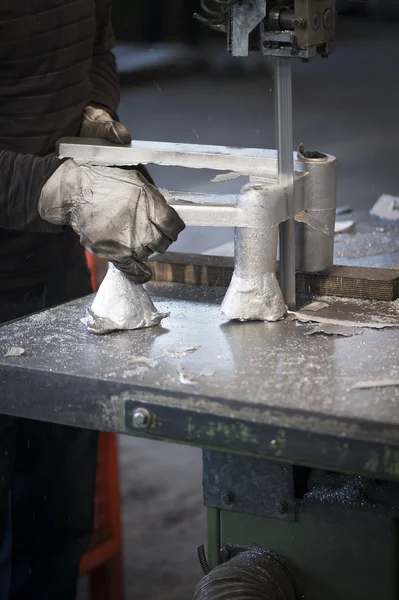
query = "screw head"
{"x": 298, "y": 23}
{"x": 142, "y": 418}
{"x": 328, "y": 18}
{"x": 316, "y": 21}
{"x": 267, "y": 44}
{"x": 275, "y": 45}
{"x": 282, "y": 507}
{"x": 224, "y": 554}
{"x": 227, "y": 498}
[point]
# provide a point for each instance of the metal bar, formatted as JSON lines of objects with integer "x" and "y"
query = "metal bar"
{"x": 248, "y": 161}
{"x": 283, "y": 109}
{"x": 210, "y": 215}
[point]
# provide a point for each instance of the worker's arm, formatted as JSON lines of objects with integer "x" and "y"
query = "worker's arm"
{"x": 117, "y": 214}
{"x": 22, "y": 177}
{"x": 104, "y": 75}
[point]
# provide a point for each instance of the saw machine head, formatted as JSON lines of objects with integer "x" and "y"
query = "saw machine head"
{"x": 303, "y": 28}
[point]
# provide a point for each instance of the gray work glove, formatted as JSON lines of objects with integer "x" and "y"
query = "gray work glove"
{"x": 97, "y": 123}
{"x": 118, "y": 215}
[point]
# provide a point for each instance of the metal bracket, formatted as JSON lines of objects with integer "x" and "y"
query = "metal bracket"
{"x": 244, "y": 18}
{"x": 248, "y": 485}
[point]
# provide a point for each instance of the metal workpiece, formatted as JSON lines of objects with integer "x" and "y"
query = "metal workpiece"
{"x": 315, "y": 243}
{"x": 274, "y": 195}
{"x": 254, "y": 293}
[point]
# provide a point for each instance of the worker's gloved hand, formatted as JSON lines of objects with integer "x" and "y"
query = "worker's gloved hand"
{"x": 118, "y": 215}
{"x": 97, "y": 123}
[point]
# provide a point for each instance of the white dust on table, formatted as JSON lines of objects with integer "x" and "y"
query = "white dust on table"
{"x": 305, "y": 318}
{"x": 386, "y": 207}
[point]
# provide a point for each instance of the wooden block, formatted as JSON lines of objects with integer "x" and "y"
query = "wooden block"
{"x": 343, "y": 281}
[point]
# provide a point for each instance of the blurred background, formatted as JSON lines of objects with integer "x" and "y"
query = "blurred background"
{"x": 179, "y": 84}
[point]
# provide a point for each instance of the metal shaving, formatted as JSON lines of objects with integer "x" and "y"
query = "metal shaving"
{"x": 375, "y": 383}
{"x": 304, "y": 318}
{"x": 315, "y": 306}
{"x": 305, "y": 217}
{"x": 341, "y": 330}
{"x": 15, "y": 351}
{"x": 180, "y": 353}
{"x": 185, "y": 377}
{"x": 142, "y": 360}
{"x": 226, "y": 177}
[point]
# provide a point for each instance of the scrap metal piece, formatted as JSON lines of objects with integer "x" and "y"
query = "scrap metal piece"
{"x": 386, "y": 207}
{"x": 315, "y": 306}
{"x": 121, "y": 304}
{"x": 375, "y": 383}
{"x": 14, "y": 352}
{"x": 185, "y": 377}
{"x": 226, "y": 176}
{"x": 305, "y": 318}
{"x": 305, "y": 217}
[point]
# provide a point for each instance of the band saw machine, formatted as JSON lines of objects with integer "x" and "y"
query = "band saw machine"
{"x": 288, "y": 383}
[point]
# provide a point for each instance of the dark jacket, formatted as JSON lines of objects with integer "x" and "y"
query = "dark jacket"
{"x": 55, "y": 59}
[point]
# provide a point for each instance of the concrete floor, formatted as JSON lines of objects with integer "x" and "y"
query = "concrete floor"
{"x": 346, "y": 105}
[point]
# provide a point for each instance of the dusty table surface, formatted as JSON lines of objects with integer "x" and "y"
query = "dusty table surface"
{"x": 264, "y": 388}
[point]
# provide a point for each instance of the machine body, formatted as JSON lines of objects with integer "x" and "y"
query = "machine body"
{"x": 303, "y": 28}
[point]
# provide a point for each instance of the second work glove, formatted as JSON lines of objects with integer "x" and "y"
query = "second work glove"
{"x": 97, "y": 123}
{"x": 118, "y": 215}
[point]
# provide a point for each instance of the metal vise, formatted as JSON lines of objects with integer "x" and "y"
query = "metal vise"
{"x": 255, "y": 213}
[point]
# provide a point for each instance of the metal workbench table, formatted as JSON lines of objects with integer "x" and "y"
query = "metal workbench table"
{"x": 265, "y": 389}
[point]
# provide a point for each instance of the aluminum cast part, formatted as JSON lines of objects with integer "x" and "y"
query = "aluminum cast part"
{"x": 119, "y": 305}
{"x": 246, "y": 161}
{"x": 254, "y": 293}
{"x": 255, "y": 213}
{"x": 314, "y": 249}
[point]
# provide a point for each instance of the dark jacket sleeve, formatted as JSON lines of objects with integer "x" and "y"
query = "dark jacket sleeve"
{"x": 22, "y": 177}
{"x": 104, "y": 75}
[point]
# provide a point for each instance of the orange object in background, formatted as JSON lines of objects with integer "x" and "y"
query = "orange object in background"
{"x": 103, "y": 563}
{"x": 98, "y": 269}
